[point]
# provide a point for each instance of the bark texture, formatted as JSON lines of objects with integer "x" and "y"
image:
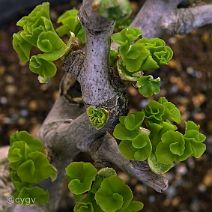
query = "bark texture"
{"x": 162, "y": 17}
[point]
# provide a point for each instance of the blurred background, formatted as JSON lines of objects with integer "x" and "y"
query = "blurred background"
{"x": 186, "y": 81}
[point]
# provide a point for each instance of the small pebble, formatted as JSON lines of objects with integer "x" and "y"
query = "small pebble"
{"x": 9, "y": 79}
{"x": 170, "y": 192}
{"x": 151, "y": 198}
{"x": 173, "y": 89}
{"x": 181, "y": 169}
{"x": 33, "y": 105}
{"x": 24, "y": 113}
{"x": 144, "y": 103}
{"x": 3, "y": 100}
{"x": 10, "y": 89}
{"x": 202, "y": 188}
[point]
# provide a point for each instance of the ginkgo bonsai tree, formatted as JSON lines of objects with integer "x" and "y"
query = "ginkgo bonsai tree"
{"x": 105, "y": 56}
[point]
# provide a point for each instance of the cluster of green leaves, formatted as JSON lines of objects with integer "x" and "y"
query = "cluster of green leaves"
{"x": 70, "y": 24}
{"x": 29, "y": 166}
{"x": 113, "y": 10}
{"x": 152, "y": 135}
{"x": 137, "y": 55}
{"x": 38, "y": 31}
{"x": 99, "y": 191}
{"x": 97, "y": 116}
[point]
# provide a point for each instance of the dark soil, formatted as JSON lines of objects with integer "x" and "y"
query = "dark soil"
{"x": 186, "y": 81}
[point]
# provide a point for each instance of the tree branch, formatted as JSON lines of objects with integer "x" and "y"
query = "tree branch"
{"x": 160, "y": 17}
{"x": 186, "y": 20}
{"x": 94, "y": 78}
{"x": 105, "y": 150}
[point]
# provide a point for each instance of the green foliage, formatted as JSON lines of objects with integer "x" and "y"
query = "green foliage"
{"x": 135, "y": 143}
{"x": 97, "y": 116}
{"x": 126, "y": 36}
{"x": 152, "y": 135}
{"x": 122, "y": 24}
{"x": 148, "y": 86}
{"x": 29, "y": 166}
{"x": 70, "y": 24}
{"x": 141, "y": 54}
{"x": 113, "y": 10}
{"x": 160, "y": 54}
{"x": 113, "y": 194}
{"x": 38, "y": 32}
{"x": 45, "y": 69}
{"x": 85, "y": 206}
{"x": 80, "y": 175}
{"x": 21, "y": 47}
{"x": 34, "y": 193}
{"x": 158, "y": 167}
{"x": 162, "y": 111}
{"x": 194, "y": 140}
{"x": 171, "y": 147}
{"x": 136, "y": 55}
{"x": 100, "y": 191}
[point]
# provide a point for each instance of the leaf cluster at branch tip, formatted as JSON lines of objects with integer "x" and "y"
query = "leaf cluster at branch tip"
{"x": 152, "y": 135}
{"x": 29, "y": 166}
{"x": 100, "y": 191}
{"x": 137, "y": 55}
{"x": 38, "y": 32}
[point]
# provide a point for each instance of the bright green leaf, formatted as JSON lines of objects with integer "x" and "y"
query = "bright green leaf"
{"x": 36, "y": 168}
{"x": 127, "y": 149}
{"x": 32, "y": 195}
{"x": 158, "y": 167}
{"x": 154, "y": 111}
{"x": 171, "y": 113}
{"x": 101, "y": 175}
{"x": 113, "y": 194}
{"x": 148, "y": 86}
{"x": 121, "y": 133}
{"x": 35, "y": 144}
{"x": 171, "y": 147}
{"x": 126, "y": 35}
{"x": 134, "y": 120}
{"x": 84, "y": 207}
{"x": 22, "y": 47}
{"x": 46, "y": 69}
{"x": 80, "y": 175}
